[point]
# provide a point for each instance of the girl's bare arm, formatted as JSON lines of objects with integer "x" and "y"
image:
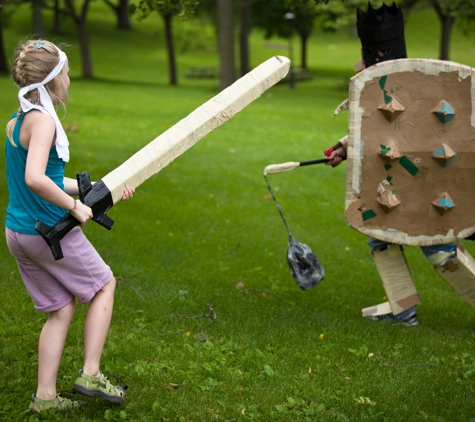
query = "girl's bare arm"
{"x": 38, "y": 134}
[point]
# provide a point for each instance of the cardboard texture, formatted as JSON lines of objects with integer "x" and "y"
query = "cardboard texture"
{"x": 187, "y": 132}
{"x": 377, "y": 310}
{"x": 411, "y": 152}
{"x": 396, "y": 278}
{"x": 460, "y": 274}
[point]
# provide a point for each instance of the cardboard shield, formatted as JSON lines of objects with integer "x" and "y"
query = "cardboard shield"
{"x": 411, "y": 152}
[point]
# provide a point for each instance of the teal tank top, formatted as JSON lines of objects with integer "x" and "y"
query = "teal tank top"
{"x": 25, "y": 208}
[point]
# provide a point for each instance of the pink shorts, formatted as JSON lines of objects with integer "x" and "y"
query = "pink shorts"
{"x": 53, "y": 284}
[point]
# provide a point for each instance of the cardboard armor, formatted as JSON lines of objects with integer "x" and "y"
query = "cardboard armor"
{"x": 459, "y": 273}
{"x": 411, "y": 159}
{"x": 411, "y": 152}
{"x": 397, "y": 282}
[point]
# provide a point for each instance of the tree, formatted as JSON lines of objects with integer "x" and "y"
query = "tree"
{"x": 6, "y": 11}
{"x": 121, "y": 10}
{"x": 467, "y": 19}
{"x": 244, "y": 31}
{"x": 55, "y": 7}
{"x": 337, "y": 14}
{"x": 303, "y": 23}
{"x": 57, "y": 12}
{"x": 227, "y": 74}
{"x": 241, "y": 11}
{"x": 448, "y": 12}
{"x": 168, "y": 10}
{"x": 271, "y": 16}
{"x": 3, "y": 56}
{"x": 38, "y": 29}
{"x": 79, "y": 19}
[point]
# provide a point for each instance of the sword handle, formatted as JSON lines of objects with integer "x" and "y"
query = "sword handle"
{"x": 96, "y": 196}
{"x": 308, "y": 163}
{"x": 52, "y": 235}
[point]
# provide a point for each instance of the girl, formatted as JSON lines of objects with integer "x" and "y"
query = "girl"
{"x": 36, "y": 152}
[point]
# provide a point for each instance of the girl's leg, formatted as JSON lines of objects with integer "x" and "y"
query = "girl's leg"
{"x": 50, "y": 350}
{"x": 91, "y": 382}
{"x": 96, "y": 326}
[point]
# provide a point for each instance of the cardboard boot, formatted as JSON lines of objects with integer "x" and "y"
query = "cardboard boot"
{"x": 460, "y": 274}
{"x": 397, "y": 282}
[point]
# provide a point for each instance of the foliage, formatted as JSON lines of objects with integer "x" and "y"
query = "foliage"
{"x": 464, "y": 14}
{"x": 8, "y": 8}
{"x": 303, "y": 3}
{"x": 272, "y": 17}
{"x": 338, "y": 14}
{"x": 460, "y": 12}
{"x": 169, "y": 8}
{"x": 330, "y": 15}
{"x": 452, "y": 8}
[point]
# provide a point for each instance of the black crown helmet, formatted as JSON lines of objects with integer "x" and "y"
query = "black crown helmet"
{"x": 381, "y": 32}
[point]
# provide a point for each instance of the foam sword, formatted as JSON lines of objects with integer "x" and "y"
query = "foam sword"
{"x": 102, "y": 195}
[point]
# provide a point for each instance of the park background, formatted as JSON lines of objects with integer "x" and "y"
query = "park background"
{"x": 208, "y": 323}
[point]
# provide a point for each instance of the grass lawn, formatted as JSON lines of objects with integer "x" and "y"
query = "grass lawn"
{"x": 208, "y": 324}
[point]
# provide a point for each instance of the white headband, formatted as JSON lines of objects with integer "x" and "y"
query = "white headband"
{"x": 47, "y": 107}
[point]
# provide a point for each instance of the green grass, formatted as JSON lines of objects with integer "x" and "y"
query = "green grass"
{"x": 206, "y": 223}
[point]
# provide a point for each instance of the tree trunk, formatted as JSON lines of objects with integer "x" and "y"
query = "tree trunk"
{"x": 38, "y": 28}
{"x": 446, "y": 22}
{"x": 123, "y": 17}
{"x": 227, "y": 73}
{"x": 244, "y": 36}
{"x": 57, "y": 17}
{"x": 80, "y": 22}
{"x": 172, "y": 71}
{"x": 303, "y": 52}
{"x": 121, "y": 13}
{"x": 3, "y": 59}
{"x": 85, "y": 52}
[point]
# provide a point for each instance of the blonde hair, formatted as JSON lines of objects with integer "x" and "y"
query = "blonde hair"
{"x": 33, "y": 62}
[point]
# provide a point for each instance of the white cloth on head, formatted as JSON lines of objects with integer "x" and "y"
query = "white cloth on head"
{"x": 47, "y": 107}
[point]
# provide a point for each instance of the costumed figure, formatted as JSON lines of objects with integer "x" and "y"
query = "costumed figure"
{"x": 36, "y": 152}
{"x": 406, "y": 148}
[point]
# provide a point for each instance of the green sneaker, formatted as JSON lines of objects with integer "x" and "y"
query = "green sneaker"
{"x": 99, "y": 387}
{"x": 59, "y": 403}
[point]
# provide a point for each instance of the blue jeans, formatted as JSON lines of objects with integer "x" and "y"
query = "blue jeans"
{"x": 376, "y": 245}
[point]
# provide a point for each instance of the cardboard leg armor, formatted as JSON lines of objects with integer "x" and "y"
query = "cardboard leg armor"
{"x": 397, "y": 282}
{"x": 460, "y": 274}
